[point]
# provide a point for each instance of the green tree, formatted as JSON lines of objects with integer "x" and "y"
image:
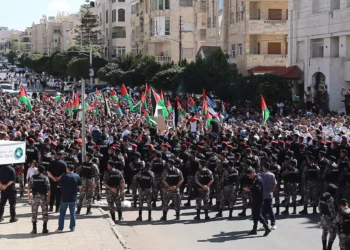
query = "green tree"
{"x": 11, "y": 56}
{"x": 110, "y": 73}
{"x": 86, "y": 32}
{"x": 60, "y": 62}
{"x": 78, "y": 68}
{"x": 170, "y": 79}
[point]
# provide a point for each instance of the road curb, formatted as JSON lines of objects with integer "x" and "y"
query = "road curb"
{"x": 114, "y": 229}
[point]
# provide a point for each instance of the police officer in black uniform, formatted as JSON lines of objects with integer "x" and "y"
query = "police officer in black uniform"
{"x": 46, "y": 158}
{"x": 32, "y": 153}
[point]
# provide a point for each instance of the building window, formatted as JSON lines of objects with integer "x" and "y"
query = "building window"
{"x": 214, "y": 22}
{"x": 186, "y": 3}
{"x": 121, "y": 1}
{"x": 119, "y": 32}
{"x": 160, "y": 4}
{"x": 121, "y": 15}
{"x": 106, "y": 16}
{"x": 114, "y": 16}
{"x": 121, "y": 50}
{"x": 133, "y": 9}
{"x": 209, "y": 22}
{"x": 232, "y": 18}
{"x": 134, "y": 50}
{"x": 233, "y": 50}
{"x": 240, "y": 49}
{"x": 113, "y": 1}
{"x": 275, "y": 14}
{"x": 274, "y": 48}
{"x": 315, "y": 6}
{"x": 167, "y": 26}
{"x": 187, "y": 52}
{"x": 317, "y": 47}
{"x": 238, "y": 17}
{"x": 107, "y": 35}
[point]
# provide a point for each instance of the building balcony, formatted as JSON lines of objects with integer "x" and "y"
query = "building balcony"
{"x": 267, "y": 27}
{"x": 231, "y": 60}
{"x": 266, "y": 60}
{"x": 163, "y": 59}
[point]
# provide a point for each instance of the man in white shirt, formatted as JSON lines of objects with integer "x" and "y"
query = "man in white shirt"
{"x": 32, "y": 170}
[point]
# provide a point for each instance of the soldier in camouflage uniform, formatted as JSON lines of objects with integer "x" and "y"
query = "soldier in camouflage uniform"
{"x": 245, "y": 182}
{"x": 204, "y": 178}
{"x": 136, "y": 166}
{"x": 114, "y": 182}
{"x": 158, "y": 165}
{"x": 172, "y": 180}
{"x": 342, "y": 220}
{"x": 20, "y": 177}
{"x": 40, "y": 187}
{"x": 90, "y": 177}
{"x": 192, "y": 167}
{"x": 230, "y": 188}
{"x": 291, "y": 178}
{"x": 276, "y": 170}
{"x": 327, "y": 208}
{"x": 310, "y": 176}
{"x": 345, "y": 182}
{"x": 144, "y": 180}
{"x": 212, "y": 164}
{"x": 219, "y": 170}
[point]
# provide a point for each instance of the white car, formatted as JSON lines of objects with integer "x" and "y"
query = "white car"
{"x": 6, "y": 87}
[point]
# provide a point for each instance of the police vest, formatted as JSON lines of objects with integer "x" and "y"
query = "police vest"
{"x": 70, "y": 162}
{"x": 230, "y": 157}
{"x": 292, "y": 177}
{"x": 193, "y": 167}
{"x": 344, "y": 226}
{"x": 324, "y": 209}
{"x": 146, "y": 180}
{"x": 204, "y": 177}
{"x": 46, "y": 161}
{"x": 333, "y": 175}
{"x": 212, "y": 164}
{"x": 39, "y": 185}
{"x": 233, "y": 176}
{"x": 173, "y": 177}
{"x": 87, "y": 170}
{"x": 312, "y": 173}
{"x": 158, "y": 166}
{"x": 274, "y": 169}
{"x": 119, "y": 163}
{"x": 138, "y": 166}
{"x": 113, "y": 178}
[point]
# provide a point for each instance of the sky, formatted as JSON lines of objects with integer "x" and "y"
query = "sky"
{"x": 20, "y": 14}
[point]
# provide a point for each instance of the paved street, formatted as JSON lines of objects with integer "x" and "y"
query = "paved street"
{"x": 293, "y": 232}
{"x": 92, "y": 232}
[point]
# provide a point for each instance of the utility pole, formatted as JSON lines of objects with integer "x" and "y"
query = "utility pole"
{"x": 180, "y": 39}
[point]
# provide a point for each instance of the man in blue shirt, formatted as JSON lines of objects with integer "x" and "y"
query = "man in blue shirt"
{"x": 69, "y": 185}
{"x": 8, "y": 191}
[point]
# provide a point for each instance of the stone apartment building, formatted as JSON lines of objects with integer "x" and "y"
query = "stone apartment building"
{"x": 53, "y": 34}
{"x": 319, "y": 43}
{"x": 252, "y": 33}
{"x": 155, "y": 29}
{"x": 115, "y": 26}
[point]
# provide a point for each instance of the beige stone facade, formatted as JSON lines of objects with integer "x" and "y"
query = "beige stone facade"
{"x": 252, "y": 32}
{"x": 53, "y": 34}
{"x": 156, "y": 29}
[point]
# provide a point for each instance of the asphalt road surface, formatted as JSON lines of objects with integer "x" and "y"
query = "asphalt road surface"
{"x": 293, "y": 232}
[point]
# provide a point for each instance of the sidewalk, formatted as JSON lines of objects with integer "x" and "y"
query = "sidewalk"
{"x": 92, "y": 232}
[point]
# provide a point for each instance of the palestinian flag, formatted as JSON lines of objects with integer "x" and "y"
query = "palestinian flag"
{"x": 69, "y": 107}
{"x": 223, "y": 110}
{"x": 161, "y": 95}
{"x": 125, "y": 95}
{"x": 169, "y": 107}
{"x": 148, "y": 91}
{"x": 96, "y": 110}
{"x": 76, "y": 103}
{"x": 119, "y": 110}
{"x": 193, "y": 105}
{"x": 161, "y": 104}
{"x": 149, "y": 120}
{"x": 24, "y": 99}
{"x": 143, "y": 101}
{"x": 114, "y": 95}
{"x": 57, "y": 97}
{"x": 87, "y": 107}
{"x": 204, "y": 95}
{"x": 205, "y": 107}
{"x": 136, "y": 107}
{"x": 265, "y": 111}
{"x": 208, "y": 118}
{"x": 179, "y": 108}
{"x": 98, "y": 95}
